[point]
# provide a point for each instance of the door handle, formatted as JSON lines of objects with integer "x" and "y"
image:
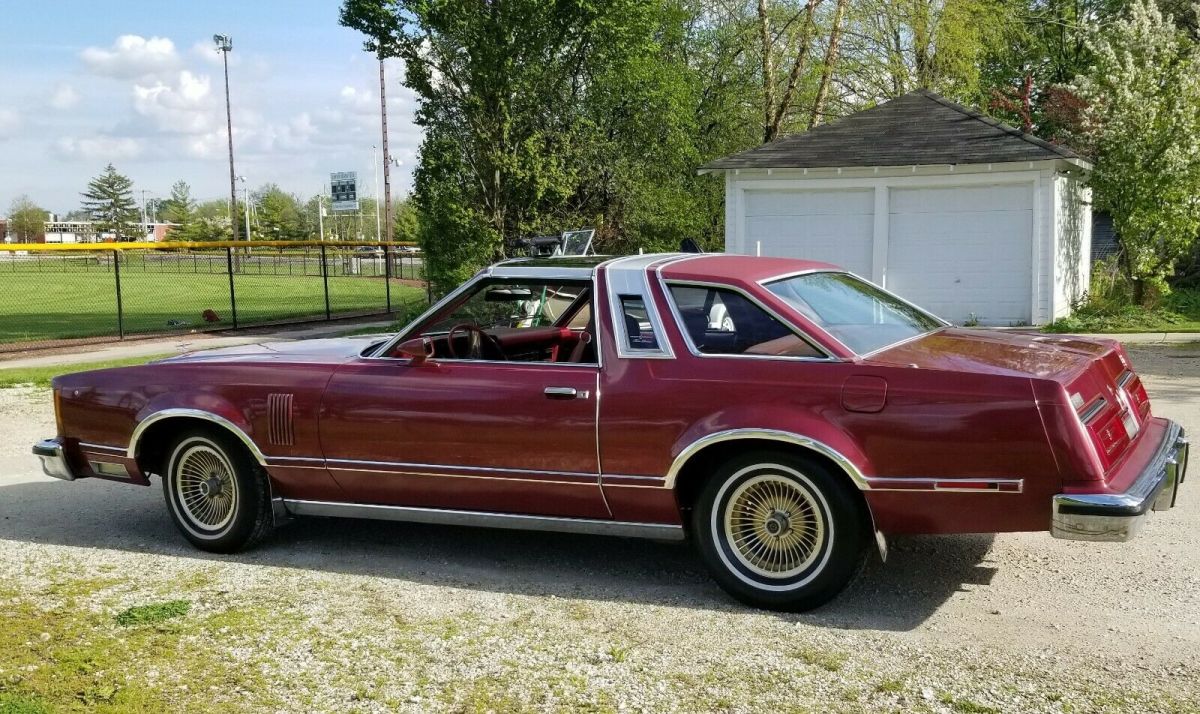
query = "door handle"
{"x": 565, "y": 393}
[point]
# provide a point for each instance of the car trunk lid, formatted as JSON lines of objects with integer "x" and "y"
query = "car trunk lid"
{"x": 1096, "y": 375}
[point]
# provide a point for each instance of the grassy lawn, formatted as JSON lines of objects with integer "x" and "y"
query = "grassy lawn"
{"x": 1178, "y": 311}
{"x": 47, "y": 306}
{"x": 41, "y": 376}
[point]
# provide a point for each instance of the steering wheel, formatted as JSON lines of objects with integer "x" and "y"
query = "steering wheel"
{"x": 475, "y": 337}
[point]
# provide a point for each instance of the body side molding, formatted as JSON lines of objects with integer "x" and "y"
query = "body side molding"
{"x": 485, "y": 519}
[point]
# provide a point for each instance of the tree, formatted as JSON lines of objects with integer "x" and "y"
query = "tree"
{"x": 280, "y": 215}
{"x": 26, "y": 220}
{"x": 1140, "y": 124}
{"x": 895, "y": 46}
{"x": 406, "y": 221}
{"x": 109, "y": 201}
{"x": 180, "y": 207}
{"x": 508, "y": 96}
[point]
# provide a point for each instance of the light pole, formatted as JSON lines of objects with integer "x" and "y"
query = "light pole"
{"x": 224, "y": 44}
{"x": 246, "y": 202}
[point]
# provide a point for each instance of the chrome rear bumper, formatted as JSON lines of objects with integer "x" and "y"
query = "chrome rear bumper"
{"x": 54, "y": 461}
{"x": 1119, "y": 516}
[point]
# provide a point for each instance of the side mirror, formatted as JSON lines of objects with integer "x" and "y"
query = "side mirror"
{"x": 417, "y": 349}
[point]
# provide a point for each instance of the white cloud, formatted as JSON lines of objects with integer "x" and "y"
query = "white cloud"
{"x": 186, "y": 105}
{"x": 99, "y": 147}
{"x": 132, "y": 56}
{"x": 10, "y": 121}
{"x": 64, "y": 97}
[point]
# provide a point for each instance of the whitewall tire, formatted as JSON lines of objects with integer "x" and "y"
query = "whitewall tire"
{"x": 778, "y": 531}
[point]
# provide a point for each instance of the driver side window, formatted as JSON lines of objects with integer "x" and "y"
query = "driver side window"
{"x": 526, "y": 321}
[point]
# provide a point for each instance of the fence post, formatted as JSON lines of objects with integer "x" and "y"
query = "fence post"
{"x": 387, "y": 275}
{"x": 232, "y": 295}
{"x": 120, "y": 308}
{"x": 325, "y": 279}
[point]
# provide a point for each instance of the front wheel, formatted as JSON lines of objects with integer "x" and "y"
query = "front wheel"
{"x": 779, "y": 532}
{"x": 215, "y": 493}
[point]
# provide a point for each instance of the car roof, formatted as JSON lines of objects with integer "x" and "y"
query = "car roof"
{"x": 722, "y": 267}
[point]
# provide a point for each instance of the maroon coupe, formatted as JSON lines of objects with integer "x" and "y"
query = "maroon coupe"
{"x": 785, "y": 415}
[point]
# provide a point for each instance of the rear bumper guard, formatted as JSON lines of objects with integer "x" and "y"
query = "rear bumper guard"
{"x": 1117, "y": 517}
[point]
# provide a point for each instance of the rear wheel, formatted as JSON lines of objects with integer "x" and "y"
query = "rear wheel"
{"x": 779, "y": 532}
{"x": 215, "y": 493}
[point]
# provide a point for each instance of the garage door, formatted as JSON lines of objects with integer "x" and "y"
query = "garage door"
{"x": 831, "y": 226}
{"x": 963, "y": 251}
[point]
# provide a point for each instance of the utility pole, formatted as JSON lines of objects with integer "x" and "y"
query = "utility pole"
{"x": 375, "y": 162}
{"x": 387, "y": 180}
{"x": 144, "y": 219}
{"x": 224, "y": 44}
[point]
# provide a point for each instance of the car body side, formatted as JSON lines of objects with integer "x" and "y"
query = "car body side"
{"x": 930, "y": 449}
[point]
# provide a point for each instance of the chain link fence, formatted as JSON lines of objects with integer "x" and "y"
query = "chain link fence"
{"x": 59, "y": 295}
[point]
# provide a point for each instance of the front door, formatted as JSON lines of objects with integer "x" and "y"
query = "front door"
{"x": 510, "y": 427}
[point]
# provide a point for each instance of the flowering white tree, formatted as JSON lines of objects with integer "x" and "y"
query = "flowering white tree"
{"x": 1140, "y": 123}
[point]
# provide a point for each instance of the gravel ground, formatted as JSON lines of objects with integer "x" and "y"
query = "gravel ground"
{"x": 340, "y": 615}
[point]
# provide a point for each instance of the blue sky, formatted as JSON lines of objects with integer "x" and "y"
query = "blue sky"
{"x": 139, "y": 84}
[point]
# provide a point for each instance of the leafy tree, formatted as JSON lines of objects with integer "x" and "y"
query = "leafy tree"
{"x": 406, "y": 221}
{"x": 280, "y": 216}
{"x": 180, "y": 207}
{"x": 109, "y": 201}
{"x": 26, "y": 220}
{"x": 895, "y": 46}
{"x": 1140, "y": 123}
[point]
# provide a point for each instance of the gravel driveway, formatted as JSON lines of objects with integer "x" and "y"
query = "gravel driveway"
{"x": 362, "y": 616}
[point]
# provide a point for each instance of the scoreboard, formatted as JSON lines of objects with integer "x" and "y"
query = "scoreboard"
{"x": 343, "y": 185}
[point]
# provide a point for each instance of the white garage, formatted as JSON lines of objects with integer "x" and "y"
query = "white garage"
{"x": 973, "y": 220}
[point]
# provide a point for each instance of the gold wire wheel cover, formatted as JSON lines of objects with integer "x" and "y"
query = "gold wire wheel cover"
{"x": 774, "y": 526}
{"x": 205, "y": 486}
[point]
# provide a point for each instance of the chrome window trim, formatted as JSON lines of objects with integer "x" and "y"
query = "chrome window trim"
{"x": 630, "y": 277}
{"x": 486, "y": 519}
{"x": 221, "y": 421}
{"x": 486, "y": 274}
{"x": 1125, "y": 378}
{"x": 666, "y": 283}
{"x": 864, "y": 355}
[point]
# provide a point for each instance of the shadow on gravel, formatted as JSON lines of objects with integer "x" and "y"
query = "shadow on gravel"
{"x": 920, "y": 575}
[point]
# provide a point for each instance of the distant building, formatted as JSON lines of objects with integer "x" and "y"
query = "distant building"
{"x": 85, "y": 232}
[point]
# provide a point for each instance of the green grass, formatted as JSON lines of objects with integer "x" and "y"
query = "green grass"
{"x": 61, "y": 305}
{"x": 41, "y": 376}
{"x": 152, "y": 614}
{"x": 1109, "y": 308}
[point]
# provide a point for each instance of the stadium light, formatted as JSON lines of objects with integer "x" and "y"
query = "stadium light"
{"x": 224, "y": 44}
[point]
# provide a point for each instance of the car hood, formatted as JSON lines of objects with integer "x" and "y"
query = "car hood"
{"x": 1058, "y": 357}
{"x": 325, "y": 350}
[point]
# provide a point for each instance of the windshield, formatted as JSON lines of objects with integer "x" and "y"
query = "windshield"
{"x": 861, "y": 316}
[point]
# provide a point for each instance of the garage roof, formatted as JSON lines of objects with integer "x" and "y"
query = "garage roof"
{"x": 917, "y": 128}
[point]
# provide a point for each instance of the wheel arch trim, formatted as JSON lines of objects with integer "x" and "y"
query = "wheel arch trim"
{"x": 861, "y": 482}
{"x": 176, "y": 413}
{"x": 846, "y": 465}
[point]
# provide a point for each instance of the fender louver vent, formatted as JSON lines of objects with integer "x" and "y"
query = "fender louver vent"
{"x": 279, "y": 416}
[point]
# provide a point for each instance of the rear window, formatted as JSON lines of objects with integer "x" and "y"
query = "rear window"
{"x": 860, "y": 315}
